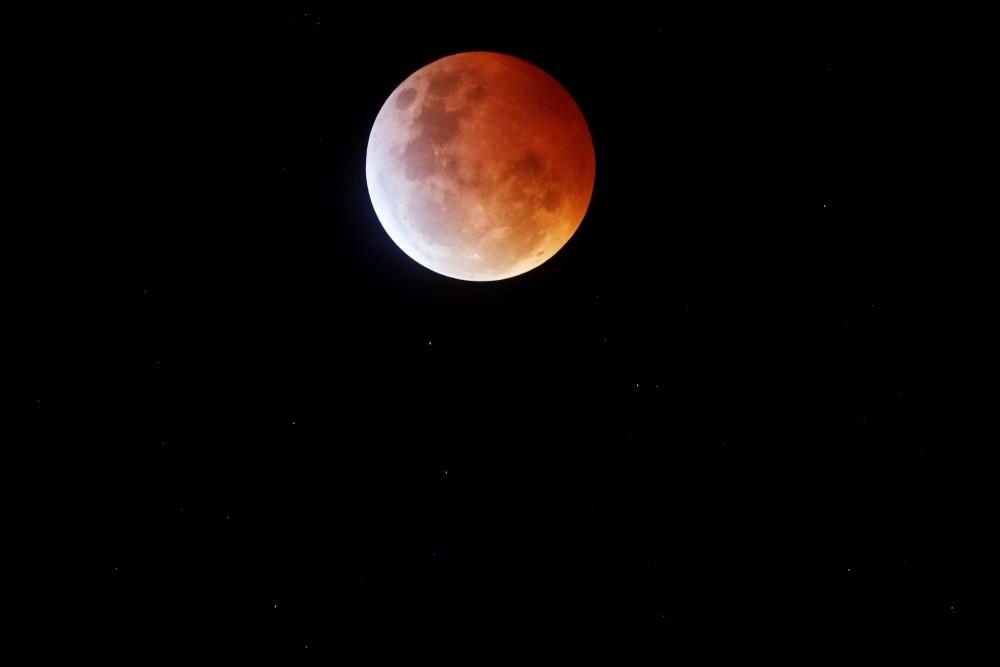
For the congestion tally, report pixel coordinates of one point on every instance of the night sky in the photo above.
(721, 418)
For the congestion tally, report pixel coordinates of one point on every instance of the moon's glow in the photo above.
(480, 166)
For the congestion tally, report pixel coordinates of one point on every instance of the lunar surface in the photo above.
(480, 166)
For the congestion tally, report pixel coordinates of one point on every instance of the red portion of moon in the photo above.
(480, 166)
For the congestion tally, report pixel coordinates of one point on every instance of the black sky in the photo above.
(722, 414)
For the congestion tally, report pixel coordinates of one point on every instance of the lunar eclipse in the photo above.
(480, 166)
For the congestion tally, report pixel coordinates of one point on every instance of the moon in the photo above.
(480, 166)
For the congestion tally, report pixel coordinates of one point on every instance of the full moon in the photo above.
(480, 166)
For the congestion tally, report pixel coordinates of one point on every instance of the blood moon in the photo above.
(480, 166)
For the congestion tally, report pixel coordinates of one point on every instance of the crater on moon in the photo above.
(480, 166)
